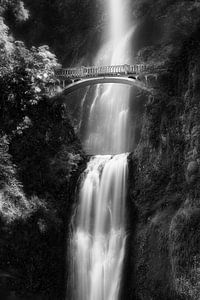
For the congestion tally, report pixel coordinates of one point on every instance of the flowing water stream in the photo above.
(107, 129)
(99, 236)
(99, 240)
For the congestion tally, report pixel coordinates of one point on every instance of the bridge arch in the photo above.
(130, 81)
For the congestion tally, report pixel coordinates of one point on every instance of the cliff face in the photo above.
(164, 185)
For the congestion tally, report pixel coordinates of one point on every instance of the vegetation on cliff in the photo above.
(163, 27)
(164, 181)
(71, 28)
(39, 153)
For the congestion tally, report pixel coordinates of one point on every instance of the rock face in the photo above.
(165, 186)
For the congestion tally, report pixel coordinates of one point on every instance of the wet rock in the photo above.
(192, 171)
(192, 167)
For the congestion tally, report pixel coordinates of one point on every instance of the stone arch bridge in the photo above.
(71, 79)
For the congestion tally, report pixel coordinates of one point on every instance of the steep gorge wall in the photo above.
(164, 185)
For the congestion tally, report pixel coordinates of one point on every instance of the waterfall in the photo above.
(107, 128)
(98, 243)
(99, 235)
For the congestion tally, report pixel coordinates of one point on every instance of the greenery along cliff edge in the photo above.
(39, 153)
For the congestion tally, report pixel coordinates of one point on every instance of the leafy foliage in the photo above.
(23, 81)
(69, 27)
(13, 203)
(39, 152)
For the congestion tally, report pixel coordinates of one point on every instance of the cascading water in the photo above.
(98, 239)
(107, 128)
(98, 243)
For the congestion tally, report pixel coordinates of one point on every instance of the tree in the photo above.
(25, 78)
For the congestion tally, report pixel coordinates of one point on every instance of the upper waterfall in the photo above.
(119, 20)
(107, 129)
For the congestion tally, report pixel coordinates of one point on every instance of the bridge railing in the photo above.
(116, 70)
(94, 71)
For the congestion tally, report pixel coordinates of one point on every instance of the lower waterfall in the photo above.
(98, 240)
